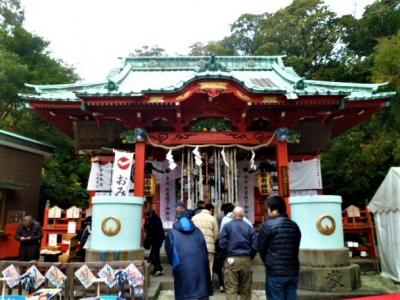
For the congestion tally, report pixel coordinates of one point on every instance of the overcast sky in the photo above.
(92, 34)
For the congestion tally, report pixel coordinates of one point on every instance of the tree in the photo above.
(11, 14)
(244, 31)
(358, 161)
(197, 49)
(306, 31)
(387, 60)
(149, 51)
(380, 19)
(24, 58)
(222, 47)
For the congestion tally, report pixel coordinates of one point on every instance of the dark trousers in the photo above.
(155, 257)
(218, 268)
(281, 287)
(29, 252)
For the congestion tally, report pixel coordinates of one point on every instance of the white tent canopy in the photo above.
(385, 205)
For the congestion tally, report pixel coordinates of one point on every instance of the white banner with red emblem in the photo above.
(121, 173)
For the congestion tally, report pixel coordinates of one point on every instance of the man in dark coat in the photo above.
(187, 253)
(29, 234)
(155, 237)
(238, 242)
(278, 244)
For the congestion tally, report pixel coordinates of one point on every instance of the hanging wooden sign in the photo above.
(265, 183)
(150, 183)
(284, 175)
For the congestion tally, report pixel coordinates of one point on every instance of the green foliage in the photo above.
(24, 57)
(380, 19)
(387, 60)
(306, 31)
(223, 47)
(11, 14)
(149, 51)
(321, 45)
(358, 161)
(244, 30)
(318, 44)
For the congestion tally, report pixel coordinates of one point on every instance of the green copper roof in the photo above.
(23, 143)
(257, 74)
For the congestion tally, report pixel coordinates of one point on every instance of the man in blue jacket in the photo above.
(238, 241)
(187, 253)
(278, 244)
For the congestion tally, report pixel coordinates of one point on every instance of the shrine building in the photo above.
(215, 129)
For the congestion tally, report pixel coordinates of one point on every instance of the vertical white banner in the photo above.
(100, 177)
(121, 173)
(246, 184)
(167, 190)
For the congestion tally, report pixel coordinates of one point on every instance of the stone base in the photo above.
(324, 258)
(95, 255)
(336, 279)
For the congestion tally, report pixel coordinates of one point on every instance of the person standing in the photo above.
(29, 234)
(229, 216)
(238, 241)
(208, 225)
(85, 237)
(182, 211)
(186, 251)
(155, 237)
(278, 244)
(200, 207)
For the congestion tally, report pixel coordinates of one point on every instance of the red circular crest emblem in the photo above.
(123, 163)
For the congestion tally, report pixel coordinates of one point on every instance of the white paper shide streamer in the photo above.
(197, 157)
(252, 162)
(171, 162)
(224, 158)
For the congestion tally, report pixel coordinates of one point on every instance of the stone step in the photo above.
(368, 266)
(302, 295)
(371, 285)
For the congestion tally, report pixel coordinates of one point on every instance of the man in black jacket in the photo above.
(155, 236)
(278, 244)
(29, 234)
(238, 242)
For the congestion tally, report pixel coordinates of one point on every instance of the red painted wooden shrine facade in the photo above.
(208, 100)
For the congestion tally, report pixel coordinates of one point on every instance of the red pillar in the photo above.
(140, 159)
(282, 165)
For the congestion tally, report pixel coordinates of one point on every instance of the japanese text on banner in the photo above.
(121, 173)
